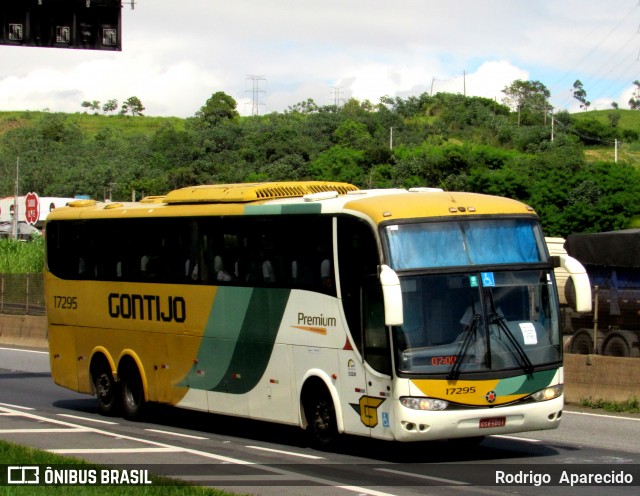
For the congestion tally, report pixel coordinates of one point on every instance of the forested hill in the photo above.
(445, 140)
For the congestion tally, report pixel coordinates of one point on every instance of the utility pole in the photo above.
(15, 200)
(255, 93)
(464, 82)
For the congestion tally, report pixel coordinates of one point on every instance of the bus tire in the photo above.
(132, 391)
(322, 427)
(106, 388)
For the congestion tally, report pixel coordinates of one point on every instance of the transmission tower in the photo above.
(337, 98)
(255, 92)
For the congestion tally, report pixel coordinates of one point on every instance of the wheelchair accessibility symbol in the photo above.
(488, 280)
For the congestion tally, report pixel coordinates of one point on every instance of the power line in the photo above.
(588, 40)
(592, 62)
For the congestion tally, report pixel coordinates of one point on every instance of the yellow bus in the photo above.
(397, 314)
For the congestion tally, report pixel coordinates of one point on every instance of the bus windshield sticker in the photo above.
(488, 281)
(529, 333)
(473, 281)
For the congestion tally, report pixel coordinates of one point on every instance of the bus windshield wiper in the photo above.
(496, 318)
(466, 342)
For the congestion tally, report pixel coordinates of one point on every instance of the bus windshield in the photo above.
(459, 319)
(477, 322)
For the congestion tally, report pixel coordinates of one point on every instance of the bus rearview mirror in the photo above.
(392, 296)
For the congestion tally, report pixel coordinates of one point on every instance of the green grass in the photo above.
(14, 454)
(91, 124)
(629, 119)
(124, 124)
(626, 153)
(629, 406)
(21, 257)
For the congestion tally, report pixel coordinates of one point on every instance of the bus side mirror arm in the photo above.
(392, 296)
(580, 279)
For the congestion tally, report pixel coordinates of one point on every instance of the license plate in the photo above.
(486, 423)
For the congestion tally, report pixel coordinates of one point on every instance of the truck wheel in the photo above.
(622, 344)
(581, 344)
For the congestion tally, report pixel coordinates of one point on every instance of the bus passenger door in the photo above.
(366, 384)
(376, 407)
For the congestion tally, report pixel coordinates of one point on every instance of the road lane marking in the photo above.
(93, 451)
(290, 453)
(241, 478)
(98, 421)
(421, 476)
(601, 415)
(221, 458)
(9, 405)
(516, 438)
(178, 434)
(25, 351)
(43, 431)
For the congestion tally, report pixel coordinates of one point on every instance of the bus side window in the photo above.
(357, 260)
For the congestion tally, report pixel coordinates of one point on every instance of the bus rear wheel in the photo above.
(132, 392)
(322, 427)
(106, 389)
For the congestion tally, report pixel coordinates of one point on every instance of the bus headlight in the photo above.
(548, 393)
(430, 404)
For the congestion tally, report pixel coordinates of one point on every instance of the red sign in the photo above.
(32, 208)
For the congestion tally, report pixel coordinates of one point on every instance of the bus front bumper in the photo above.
(416, 425)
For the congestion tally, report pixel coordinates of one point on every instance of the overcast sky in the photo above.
(177, 53)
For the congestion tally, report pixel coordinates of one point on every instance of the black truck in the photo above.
(612, 261)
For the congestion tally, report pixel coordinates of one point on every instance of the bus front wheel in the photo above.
(132, 391)
(322, 427)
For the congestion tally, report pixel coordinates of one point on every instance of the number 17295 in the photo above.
(65, 302)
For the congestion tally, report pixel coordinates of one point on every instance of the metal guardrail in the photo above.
(22, 294)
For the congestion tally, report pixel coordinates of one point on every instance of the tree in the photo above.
(133, 105)
(219, 107)
(110, 106)
(614, 118)
(634, 102)
(527, 95)
(354, 135)
(580, 94)
(94, 105)
(309, 106)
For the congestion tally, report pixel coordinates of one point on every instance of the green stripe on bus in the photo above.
(525, 384)
(302, 208)
(220, 336)
(298, 208)
(262, 209)
(256, 340)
